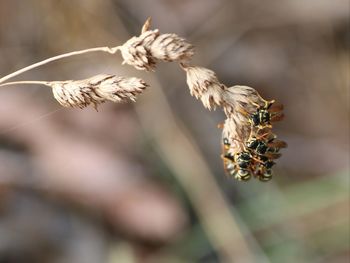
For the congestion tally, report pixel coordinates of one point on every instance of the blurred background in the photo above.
(144, 182)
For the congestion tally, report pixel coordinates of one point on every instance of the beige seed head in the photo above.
(241, 99)
(96, 90)
(232, 131)
(204, 85)
(239, 102)
(143, 51)
(237, 133)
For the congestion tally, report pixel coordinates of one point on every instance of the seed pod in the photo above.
(143, 51)
(96, 90)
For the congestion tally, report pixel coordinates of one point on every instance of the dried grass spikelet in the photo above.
(242, 99)
(238, 103)
(233, 131)
(204, 85)
(96, 90)
(143, 51)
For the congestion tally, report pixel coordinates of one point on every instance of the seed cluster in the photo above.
(204, 85)
(96, 90)
(143, 52)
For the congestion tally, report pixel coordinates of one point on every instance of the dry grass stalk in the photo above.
(109, 50)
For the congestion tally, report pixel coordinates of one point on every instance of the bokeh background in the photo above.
(144, 182)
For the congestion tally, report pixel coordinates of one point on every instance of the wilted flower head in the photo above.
(143, 51)
(96, 90)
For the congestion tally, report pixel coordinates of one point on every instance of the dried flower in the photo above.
(143, 51)
(96, 90)
(204, 85)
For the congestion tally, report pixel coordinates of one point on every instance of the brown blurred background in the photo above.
(144, 182)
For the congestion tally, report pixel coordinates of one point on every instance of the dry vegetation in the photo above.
(143, 182)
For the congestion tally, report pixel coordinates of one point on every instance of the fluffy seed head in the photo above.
(143, 51)
(239, 99)
(96, 90)
(232, 132)
(204, 84)
(239, 103)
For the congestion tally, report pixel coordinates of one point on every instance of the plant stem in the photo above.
(74, 53)
(46, 83)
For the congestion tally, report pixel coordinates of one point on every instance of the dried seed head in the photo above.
(242, 99)
(204, 85)
(240, 103)
(96, 90)
(232, 132)
(143, 51)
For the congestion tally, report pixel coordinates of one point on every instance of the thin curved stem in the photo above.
(74, 53)
(46, 83)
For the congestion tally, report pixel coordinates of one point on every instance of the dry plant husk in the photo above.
(204, 85)
(151, 46)
(96, 90)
